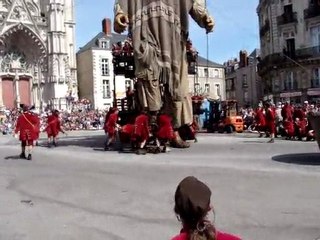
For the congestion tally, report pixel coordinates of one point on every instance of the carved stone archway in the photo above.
(23, 58)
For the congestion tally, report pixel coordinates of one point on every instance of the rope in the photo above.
(207, 35)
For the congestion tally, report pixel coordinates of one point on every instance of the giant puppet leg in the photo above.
(149, 98)
(180, 106)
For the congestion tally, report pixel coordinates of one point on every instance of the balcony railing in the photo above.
(305, 53)
(287, 18)
(265, 28)
(312, 11)
(315, 83)
(279, 59)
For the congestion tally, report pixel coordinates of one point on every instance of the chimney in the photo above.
(106, 26)
(243, 59)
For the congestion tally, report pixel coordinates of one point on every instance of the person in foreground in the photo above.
(27, 127)
(192, 207)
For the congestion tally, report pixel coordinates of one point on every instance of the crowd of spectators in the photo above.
(71, 120)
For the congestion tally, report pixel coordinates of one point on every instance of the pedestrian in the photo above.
(260, 120)
(141, 133)
(160, 31)
(270, 121)
(27, 127)
(111, 126)
(53, 128)
(193, 208)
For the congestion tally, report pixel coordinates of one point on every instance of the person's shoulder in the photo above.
(226, 236)
(181, 236)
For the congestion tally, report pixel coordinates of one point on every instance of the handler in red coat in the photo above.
(165, 132)
(260, 120)
(27, 126)
(270, 121)
(38, 125)
(53, 128)
(110, 127)
(192, 205)
(141, 132)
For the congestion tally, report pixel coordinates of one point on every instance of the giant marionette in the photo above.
(159, 30)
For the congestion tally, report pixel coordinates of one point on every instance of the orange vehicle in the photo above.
(226, 117)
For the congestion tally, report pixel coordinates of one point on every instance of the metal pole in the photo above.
(114, 91)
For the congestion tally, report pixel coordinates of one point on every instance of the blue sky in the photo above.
(236, 26)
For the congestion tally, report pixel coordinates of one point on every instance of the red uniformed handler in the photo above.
(110, 127)
(27, 126)
(270, 121)
(260, 120)
(165, 131)
(141, 133)
(53, 128)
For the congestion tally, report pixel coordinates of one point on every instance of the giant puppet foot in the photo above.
(179, 144)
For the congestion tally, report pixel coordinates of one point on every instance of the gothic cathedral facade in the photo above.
(37, 53)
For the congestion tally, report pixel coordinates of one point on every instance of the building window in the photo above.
(216, 73)
(128, 84)
(316, 78)
(218, 90)
(106, 89)
(290, 50)
(206, 73)
(105, 44)
(246, 96)
(290, 83)
(315, 37)
(197, 88)
(244, 81)
(207, 88)
(105, 67)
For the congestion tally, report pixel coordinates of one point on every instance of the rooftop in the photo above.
(93, 43)
(203, 62)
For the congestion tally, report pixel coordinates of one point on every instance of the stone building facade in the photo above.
(37, 53)
(209, 80)
(96, 78)
(242, 80)
(290, 49)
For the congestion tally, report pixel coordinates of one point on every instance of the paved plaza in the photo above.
(78, 192)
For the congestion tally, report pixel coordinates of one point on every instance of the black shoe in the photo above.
(54, 144)
(29, 157)
(23, 155)
(141, 151)
(271, 141)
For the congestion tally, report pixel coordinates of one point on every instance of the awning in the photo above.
(314, 92)
(290, 94)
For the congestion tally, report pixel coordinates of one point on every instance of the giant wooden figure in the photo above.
(159, 30)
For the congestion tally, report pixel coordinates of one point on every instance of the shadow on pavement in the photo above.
(95, 142)
(312, 159)
(15, 157)
(256, 141)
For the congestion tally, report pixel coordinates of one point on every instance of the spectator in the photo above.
(192, 207)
